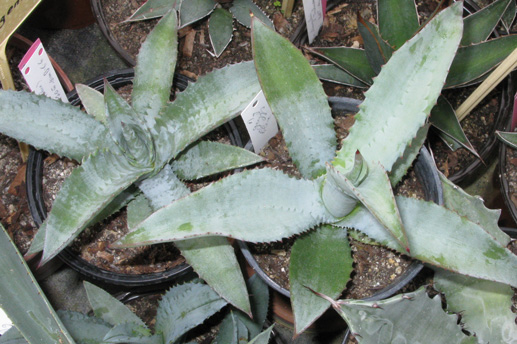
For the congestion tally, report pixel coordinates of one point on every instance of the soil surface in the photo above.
(195, 51)
(510, 173)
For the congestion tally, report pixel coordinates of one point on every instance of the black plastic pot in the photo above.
(103, 25)
(488, 151)
(428, 176)
(505, 184)
(299, 36)
(38, 211)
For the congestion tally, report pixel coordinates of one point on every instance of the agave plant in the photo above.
(397, 22)
(348, 189)
(181, 309)
(416, 318)
(148, 144)
(220, 22)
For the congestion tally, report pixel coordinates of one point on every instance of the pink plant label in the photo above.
(314, 12)
(39, 73)
(259, 121)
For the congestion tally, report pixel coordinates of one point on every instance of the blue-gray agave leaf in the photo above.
(127, 129)
(441, 238)
(287, 207)
(51, 125)
(184, 307)
(406, 318)
(23, 300)
(485, 306)
(89, 188)
(213, 258)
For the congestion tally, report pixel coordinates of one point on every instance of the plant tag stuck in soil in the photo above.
(39, 73)
(5, 322)
(314, 12)
(259, 121)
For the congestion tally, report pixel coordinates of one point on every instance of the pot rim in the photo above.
(103, 24)
(504, 182)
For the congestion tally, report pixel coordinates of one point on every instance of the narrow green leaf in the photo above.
(231, 331)
(84, 193)
(352, 61)
(220, 29)
(377, 50)
(108, 308)
(443, 117)
(406, 318)
(83, 328)
(51, 125)
(473, 208)
(93, 102)
(334, 74)
(23, 300)
(296, 98)
(509, 15)
(241, 11)
(154, 9)
(479, 25)
(473, 61)
(207, 158)
(263, 338)
(259, 299)
(213, 100)
(509, 138)
(485, 306)
(398, 21)
(212, 258)
(320, 260)
(287, 206)
(184, 307)
(439, 236)
(193, 10)
(388, 121)
(155, 66)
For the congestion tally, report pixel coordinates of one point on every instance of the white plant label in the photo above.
(259, 121)
(314, 12)
(5, 322)
(39, 73)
